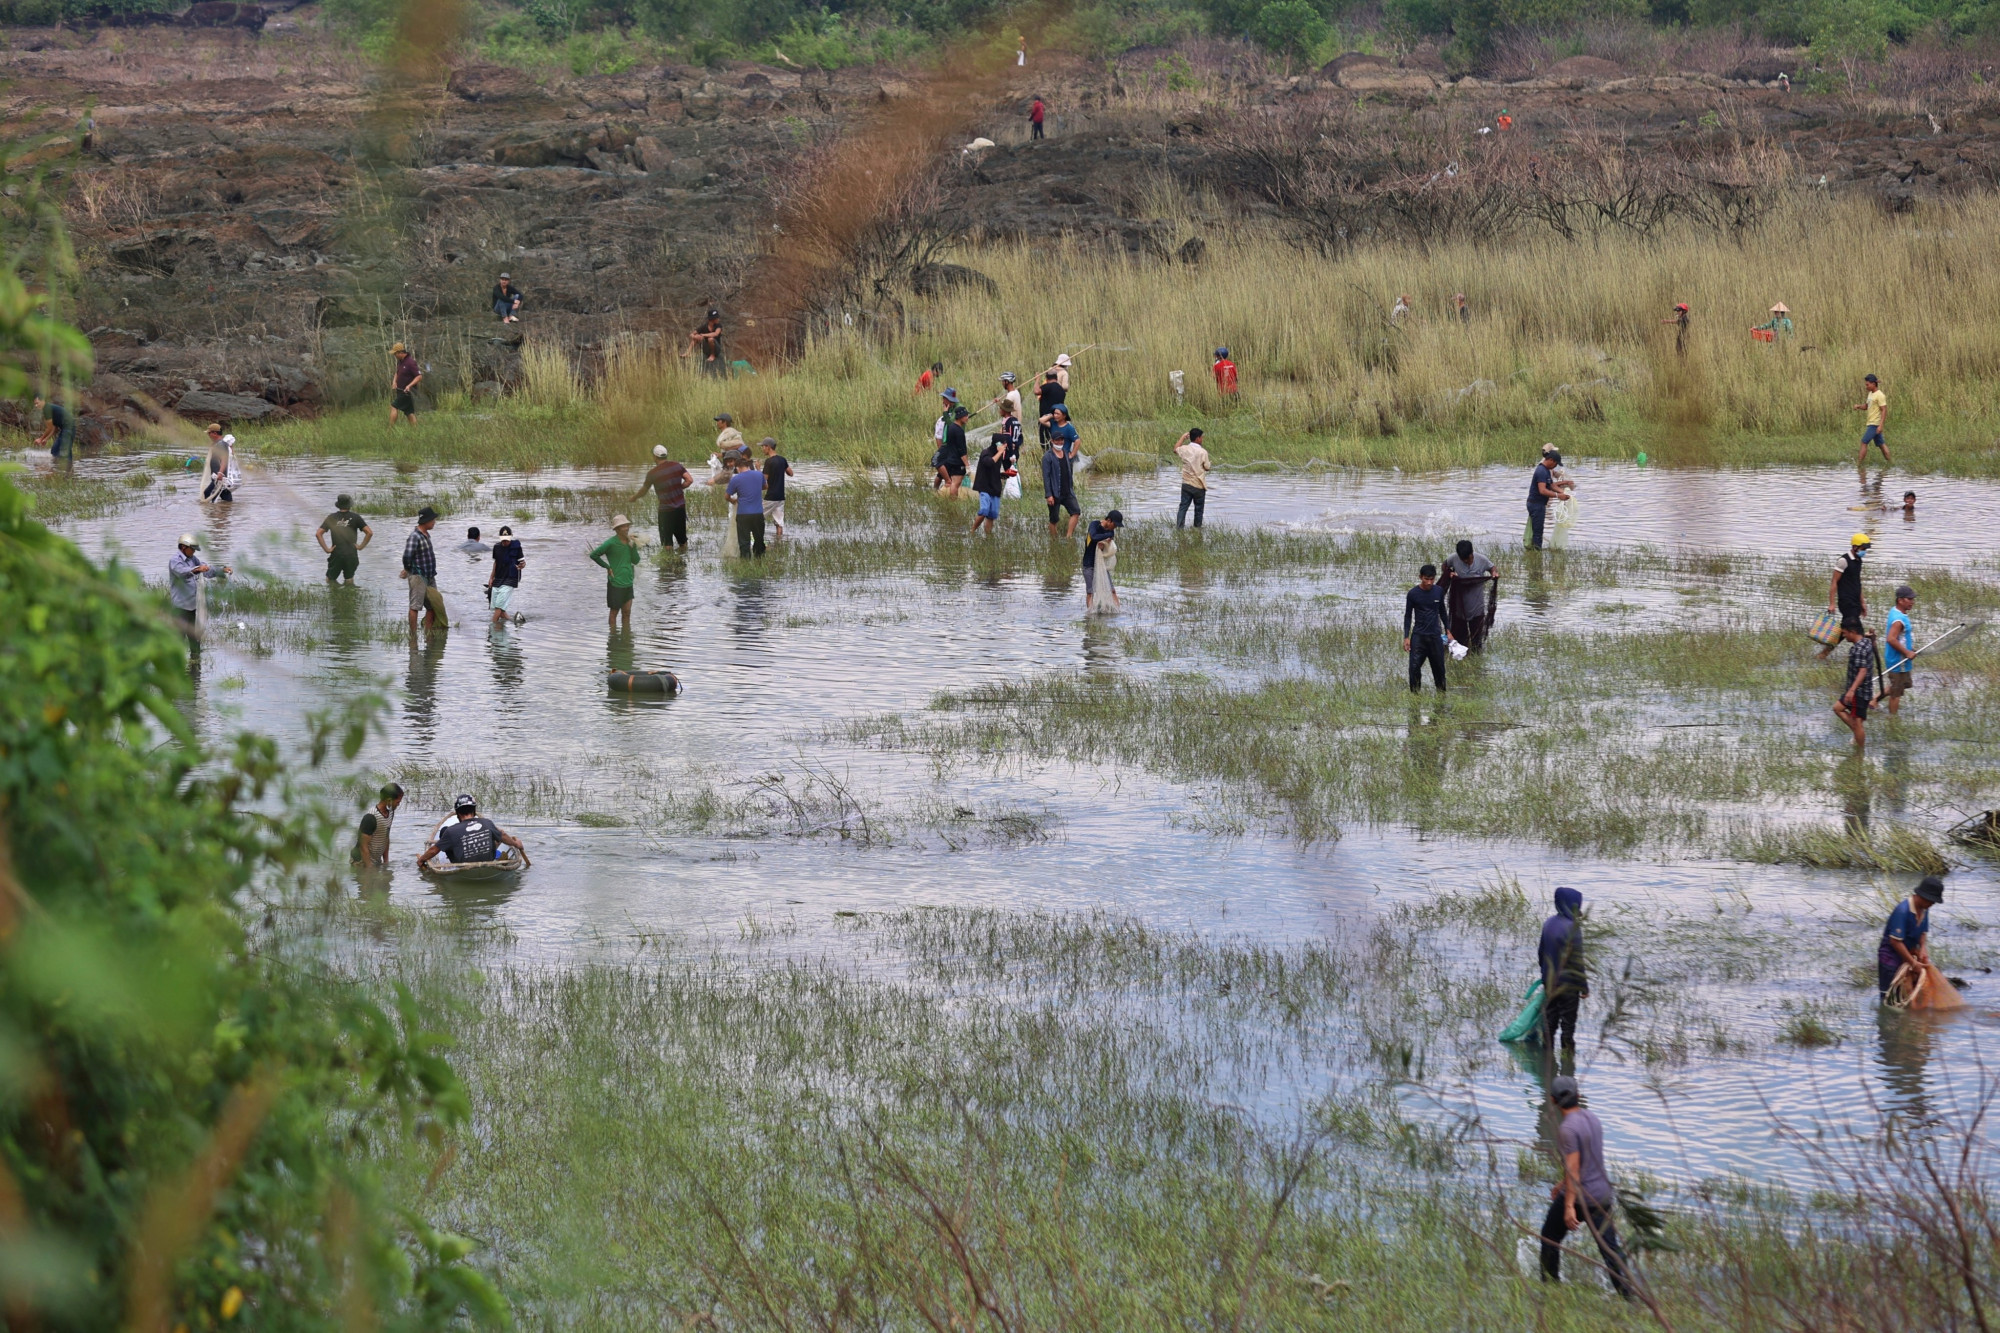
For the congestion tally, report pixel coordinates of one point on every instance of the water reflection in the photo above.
(1905, 1053)
(1853, 784)
(420, 681)
(1101, 657)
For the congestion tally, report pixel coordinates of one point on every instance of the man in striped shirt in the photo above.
(420, 567)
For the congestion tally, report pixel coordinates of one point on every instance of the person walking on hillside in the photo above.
(1680, 323)
(776, 468)
(1464, 311)
(1565, 979)
(1195, 468)
(343, 535)
(506, 299)
(404, 376)
(504, 580)
(1049, 395)
(1906, 937)
(618, 555)
(1059, 470)
(420, 567)
(1852, 705)
(1061, 367)
(1876, 404)
(1585, 1197)
(1036, 115)
(707, 340)
(1425, 632)
(1401, 310)
(1844, 594)
(1779, 325)
(928, 378)
(669, 481)
(58, 427)
(1898, 647)
(1471, 588)
(1225, 373)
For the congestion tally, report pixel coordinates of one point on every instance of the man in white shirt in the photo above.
(1195, 468)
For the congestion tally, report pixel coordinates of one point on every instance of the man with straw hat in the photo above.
(403, 380)
(619, 555)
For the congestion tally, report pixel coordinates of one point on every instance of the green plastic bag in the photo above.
(1530, 1018)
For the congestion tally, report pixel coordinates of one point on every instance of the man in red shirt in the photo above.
(1225, 373)
(928, 378)
(402, 385)
(1035, 114)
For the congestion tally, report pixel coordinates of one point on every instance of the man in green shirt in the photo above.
(619, 554)
(341, 535)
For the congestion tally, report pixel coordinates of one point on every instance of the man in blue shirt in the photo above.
(1542, 488)
(1425, 632)
(747, 489)
(1906, 939)
(1898, 646)
(1059, 470)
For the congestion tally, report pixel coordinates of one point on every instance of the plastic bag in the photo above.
(1012, 490)
(1529, 1019)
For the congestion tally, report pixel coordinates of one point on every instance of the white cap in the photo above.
(659, 451)
(1063, 360)
(229, 440)
(187, 539)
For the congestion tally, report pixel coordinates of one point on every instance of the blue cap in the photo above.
(1222, 351)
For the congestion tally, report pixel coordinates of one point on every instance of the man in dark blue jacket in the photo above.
(1425, 629)
(1564, 980)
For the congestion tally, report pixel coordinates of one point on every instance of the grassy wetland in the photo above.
(1565, 342)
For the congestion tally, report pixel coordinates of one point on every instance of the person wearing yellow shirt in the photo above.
(1876, 404)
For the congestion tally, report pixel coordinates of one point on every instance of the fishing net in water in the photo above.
(1922, 987)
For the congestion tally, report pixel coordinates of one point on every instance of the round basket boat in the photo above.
(468, 872)
(642, 682)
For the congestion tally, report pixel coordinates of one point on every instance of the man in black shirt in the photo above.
(1424, 613)
(473, 838)
(1047, 396)
(1844, 595)
(1542, 488)
(951, 456)
(776, 469)
(58, 428)
(989, 479)
(707, 339)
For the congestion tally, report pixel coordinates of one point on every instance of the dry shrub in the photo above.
(548, 377)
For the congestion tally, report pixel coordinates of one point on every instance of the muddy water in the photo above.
(771, 665)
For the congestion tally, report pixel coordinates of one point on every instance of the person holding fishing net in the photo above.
(1904, 974)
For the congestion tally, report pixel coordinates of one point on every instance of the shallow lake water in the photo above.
(773, 667)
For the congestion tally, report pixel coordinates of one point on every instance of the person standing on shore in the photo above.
(669, 481)
(1876, 404)
(1899, 647)
(618, 555)
(746, 491)
(1425, 633)
(421, 569)
(1471, 586)
(1195, 468)
(505, 578)
(1225, 373)
(404, 377)
(343, 535)
(1059, 470)
(1036, 115)
(1585, 1197)
(1464, 311)
(776, 469)
(1680, 323)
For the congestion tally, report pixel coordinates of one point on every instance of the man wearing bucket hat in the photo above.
(183, 568)
(403, 379)
(1876, 404)
(618, 554)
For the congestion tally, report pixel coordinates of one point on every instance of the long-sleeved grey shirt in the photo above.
(182, 570)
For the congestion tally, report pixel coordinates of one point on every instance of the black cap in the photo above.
(1869, 379)
(1564, 1092)
(1931, 889)
(1115, 518)
(463, 802)
(426, 514)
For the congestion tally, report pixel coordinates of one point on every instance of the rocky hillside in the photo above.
(259, 214)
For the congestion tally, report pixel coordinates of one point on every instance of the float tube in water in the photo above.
(643, 682)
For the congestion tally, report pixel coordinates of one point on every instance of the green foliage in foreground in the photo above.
(186, 1118)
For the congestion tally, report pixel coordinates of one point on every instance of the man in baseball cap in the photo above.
(183, 568)
(1585, 1197)
(473, 837)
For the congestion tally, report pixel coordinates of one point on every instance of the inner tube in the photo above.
(643, 682)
